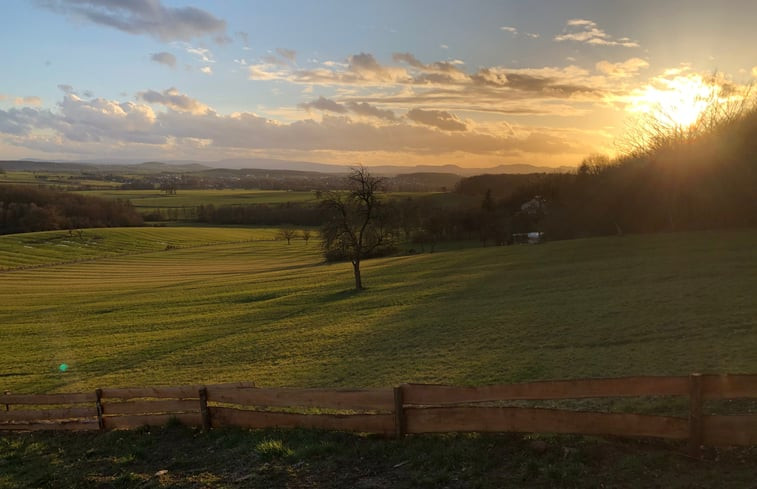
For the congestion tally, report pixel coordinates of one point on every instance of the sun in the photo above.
(675, 102)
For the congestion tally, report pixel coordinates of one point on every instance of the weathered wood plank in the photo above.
(47, 414)
(137, 421)
(729, 386)
(72, 426)
(168, 392)
(40, 399)
(145, 407)
(729, 430)
(421, 394)
(348, 399)
(531, 420)
(362, 423)
(695, 415)
(158, 392)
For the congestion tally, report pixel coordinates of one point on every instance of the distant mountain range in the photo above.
(274, 164)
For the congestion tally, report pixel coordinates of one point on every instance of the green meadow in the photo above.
(225, 305)
(156, 199)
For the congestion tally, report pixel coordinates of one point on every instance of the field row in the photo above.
(50, 247)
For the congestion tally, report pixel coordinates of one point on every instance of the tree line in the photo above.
(699, 177)
(27, 209)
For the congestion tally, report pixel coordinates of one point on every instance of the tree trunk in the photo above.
(358, 280)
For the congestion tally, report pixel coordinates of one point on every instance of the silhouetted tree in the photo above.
(354, 227)
(287, 234)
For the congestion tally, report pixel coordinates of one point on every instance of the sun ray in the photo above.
(675, 102)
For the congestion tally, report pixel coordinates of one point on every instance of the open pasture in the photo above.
(50, 247)
(274, 314)
(148, 200)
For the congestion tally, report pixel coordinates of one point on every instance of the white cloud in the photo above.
(96, 125)
(174, 100)
(29, 100)
(624, 69)
(587, 32)
(207, 70)
(511, 30)
(204, 54)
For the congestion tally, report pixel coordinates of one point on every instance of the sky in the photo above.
(410, 82)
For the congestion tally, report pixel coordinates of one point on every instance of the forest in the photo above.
(25, 208)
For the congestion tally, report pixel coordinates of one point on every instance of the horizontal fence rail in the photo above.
(406, 409)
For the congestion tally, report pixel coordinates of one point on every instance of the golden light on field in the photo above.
(676, 102)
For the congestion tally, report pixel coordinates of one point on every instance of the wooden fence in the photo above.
(407, 409)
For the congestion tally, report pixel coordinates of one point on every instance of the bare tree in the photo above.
(306, 235)
(287, 234)
(354, 227)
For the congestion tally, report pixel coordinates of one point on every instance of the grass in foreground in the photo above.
(272, 313)
(178, 457)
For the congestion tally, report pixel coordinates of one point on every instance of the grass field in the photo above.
(272, 313)
(152, 200)
(50, 247)
(180, 458)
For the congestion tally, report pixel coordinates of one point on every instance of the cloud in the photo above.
(32, 100)
(359, 108)
(754, 72)
(266, 71)
(553, 82)
(439, 80)
(587, 32)
(360, 69)
(174, 100)
(289, 54)
(207, 70)
(437, 118)
(164, 58)
(244, 37)
(366, 109)
(97, 125)
(100, 119)
(625, 69)
(204, 54)
(324, 104)
(148, 17)
(515, 33)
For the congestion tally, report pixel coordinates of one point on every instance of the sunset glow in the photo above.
(402, 83)
(677, 102)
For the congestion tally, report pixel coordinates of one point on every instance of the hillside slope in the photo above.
(272, 313)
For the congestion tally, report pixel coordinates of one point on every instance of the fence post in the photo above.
(204, 411)
(99, 405)
(399, 412)
(7, 406)
(695, 415)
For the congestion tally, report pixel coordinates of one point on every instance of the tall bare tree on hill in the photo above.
(354, 225)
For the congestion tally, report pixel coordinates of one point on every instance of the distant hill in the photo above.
(388, 170)
(271, 164)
